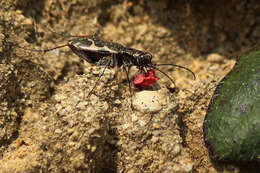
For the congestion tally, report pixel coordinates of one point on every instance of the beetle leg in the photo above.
(127, 70)
(89, 94)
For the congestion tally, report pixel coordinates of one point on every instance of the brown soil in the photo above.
(47, 124)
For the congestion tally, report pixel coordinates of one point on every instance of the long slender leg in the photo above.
(127, 69)
(89, 94)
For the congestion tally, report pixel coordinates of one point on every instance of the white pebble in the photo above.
(148, 101)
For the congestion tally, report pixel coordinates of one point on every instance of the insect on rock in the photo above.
(109, 54)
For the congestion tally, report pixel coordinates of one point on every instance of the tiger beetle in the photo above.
(110, 55)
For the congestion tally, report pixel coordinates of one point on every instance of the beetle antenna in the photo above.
(57, 47)
(179, 66)
(163, 73)
(43, 50)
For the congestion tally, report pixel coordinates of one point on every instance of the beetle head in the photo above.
(144, 59)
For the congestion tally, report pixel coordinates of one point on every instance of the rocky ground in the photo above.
(49, 124)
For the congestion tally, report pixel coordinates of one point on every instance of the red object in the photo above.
(144, 80)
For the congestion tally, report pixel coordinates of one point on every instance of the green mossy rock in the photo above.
(232, 123)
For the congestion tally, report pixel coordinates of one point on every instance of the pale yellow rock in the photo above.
(148, 101)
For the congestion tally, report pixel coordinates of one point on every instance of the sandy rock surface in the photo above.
(48, 123)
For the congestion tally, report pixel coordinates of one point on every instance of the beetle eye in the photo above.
(148, 55)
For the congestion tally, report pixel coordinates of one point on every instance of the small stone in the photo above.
(148, 101)
(186, 165)
(114, 88)
(117, 102)
(82, 105)
(58, 131)
(156, 125)
(58, 106)
(154, 139)
(215, 58)
(177, 149)
(134, 117)
(142, 123)
(28, 22)
(62, 112)
(93, 149)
